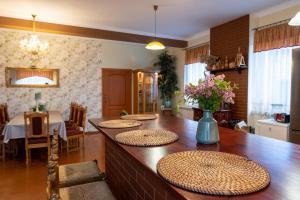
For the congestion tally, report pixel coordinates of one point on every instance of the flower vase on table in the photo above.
(37, 97)
(209, 93)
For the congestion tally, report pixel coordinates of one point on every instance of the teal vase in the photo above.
(168, 104)
(207, 130)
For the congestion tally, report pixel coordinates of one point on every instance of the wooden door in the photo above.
(116, 91)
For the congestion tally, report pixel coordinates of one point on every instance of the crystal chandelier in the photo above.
(33, 43)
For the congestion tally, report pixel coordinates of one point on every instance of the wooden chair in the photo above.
(11, 147)
(37, 133)
(74, 135)
(2, 125)
(72, 118)
(5, 114)
(78, 181)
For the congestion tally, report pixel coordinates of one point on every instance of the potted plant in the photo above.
(167, 79)
(209, 94)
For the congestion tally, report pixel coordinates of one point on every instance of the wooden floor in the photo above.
(29, 183)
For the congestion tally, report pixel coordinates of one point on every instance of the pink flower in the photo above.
(213, 89)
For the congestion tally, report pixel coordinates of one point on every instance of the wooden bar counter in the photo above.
(131, 171)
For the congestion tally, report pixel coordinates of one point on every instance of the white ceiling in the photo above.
(179, 19)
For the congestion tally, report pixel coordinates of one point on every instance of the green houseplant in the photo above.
(167, 79)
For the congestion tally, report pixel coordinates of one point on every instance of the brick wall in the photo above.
(130, 180)
(224, 41)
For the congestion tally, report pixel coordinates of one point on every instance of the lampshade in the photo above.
(155, 45)
(295, 21)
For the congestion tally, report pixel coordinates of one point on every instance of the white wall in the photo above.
(80, 61)
(117, 54)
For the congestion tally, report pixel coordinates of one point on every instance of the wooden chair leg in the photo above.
(83, 141)
(3, 152)
(27, 156)
(49, 150)
(79, 143)
(68, 146)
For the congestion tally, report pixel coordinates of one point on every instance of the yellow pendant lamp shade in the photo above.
(155, 45)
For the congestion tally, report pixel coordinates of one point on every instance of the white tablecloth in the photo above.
(16, 127)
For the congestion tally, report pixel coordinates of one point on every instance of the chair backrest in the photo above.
(72, 111)
(36, 124)
(2, 115)
(75, 115)
(52, 178)
(81, 116)
(6, 116)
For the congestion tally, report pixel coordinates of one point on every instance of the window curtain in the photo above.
(21, 74)
(276, 37)
(269, 83)
(197, 54)
(194, 72)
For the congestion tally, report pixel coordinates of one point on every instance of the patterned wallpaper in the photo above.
(79, 61)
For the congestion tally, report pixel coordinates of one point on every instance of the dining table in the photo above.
(15, 128)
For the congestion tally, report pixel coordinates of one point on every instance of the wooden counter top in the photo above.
(282, 159)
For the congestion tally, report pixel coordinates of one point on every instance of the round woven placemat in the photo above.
(214, 173)
(119, 123)
(147, 137)
(139, 117)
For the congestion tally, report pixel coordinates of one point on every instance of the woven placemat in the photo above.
(214, 173)
(119, 123)
(147, 137)
(139, 117)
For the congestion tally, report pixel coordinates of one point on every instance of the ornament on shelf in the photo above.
(232, 65)
(226, 64)
(240, 60)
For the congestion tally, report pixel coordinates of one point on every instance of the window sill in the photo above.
(185, 107)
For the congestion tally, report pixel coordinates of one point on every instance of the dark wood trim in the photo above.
(21, 24)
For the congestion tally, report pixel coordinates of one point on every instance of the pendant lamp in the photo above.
(155, 45)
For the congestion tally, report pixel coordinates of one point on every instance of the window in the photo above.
(270, 83)
(194, 72)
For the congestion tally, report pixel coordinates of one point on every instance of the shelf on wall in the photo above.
(238, 69)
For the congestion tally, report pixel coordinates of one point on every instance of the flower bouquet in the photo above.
(209, 94)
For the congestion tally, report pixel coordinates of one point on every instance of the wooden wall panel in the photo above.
(20, 24)
(225, 40)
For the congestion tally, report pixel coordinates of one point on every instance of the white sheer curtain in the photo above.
(269, 83)
(194, 72)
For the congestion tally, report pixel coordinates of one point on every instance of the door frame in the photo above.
(131, 86)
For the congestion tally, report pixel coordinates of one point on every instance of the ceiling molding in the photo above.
(21, 24)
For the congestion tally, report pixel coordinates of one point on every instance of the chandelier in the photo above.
(155, 45)
(33, 43)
